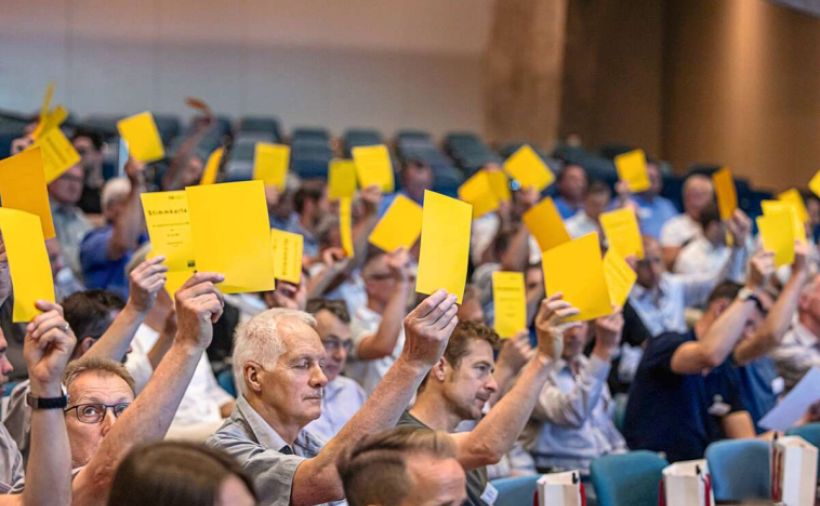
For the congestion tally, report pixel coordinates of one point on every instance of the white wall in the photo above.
(337, 63)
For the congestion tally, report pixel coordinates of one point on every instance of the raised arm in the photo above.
(47, 348)
(427, 329)
(129, 224)
(495, 433)
(382, 343)
(770, 334)
(711, 349)
(199, 304)
(145, 281)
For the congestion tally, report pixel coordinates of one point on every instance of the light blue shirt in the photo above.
(662, 309)
(652, 214)
(571, 422)
(342, 398)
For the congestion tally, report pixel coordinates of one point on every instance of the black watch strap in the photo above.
(46, 402)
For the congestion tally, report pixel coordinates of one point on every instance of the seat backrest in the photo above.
(628, 479)
(515, 491)
(740, 469)
(811, 433)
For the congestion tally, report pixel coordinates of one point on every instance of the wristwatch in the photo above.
(46, 402)
(747, 293)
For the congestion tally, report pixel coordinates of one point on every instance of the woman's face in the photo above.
(234, 492)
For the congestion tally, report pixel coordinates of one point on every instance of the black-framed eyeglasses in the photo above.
(334, 344)
(95, 413)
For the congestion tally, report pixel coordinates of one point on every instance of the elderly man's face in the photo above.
(469, 385)
(435, 482)
(335, 336)
(293, 387)
(93, 387)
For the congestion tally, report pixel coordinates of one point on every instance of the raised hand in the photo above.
(801, 257)
(398, 261)
(135, 170)
(48, 345)
(608, 331)
(515, 352)
(740, 226)
(550, 324)
(428, 327)
(145, 282)
(761, 267)
(198, 306)
(371, 197)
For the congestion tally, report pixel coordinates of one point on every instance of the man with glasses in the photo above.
(378, 337)
(70, 222)
(342, 396)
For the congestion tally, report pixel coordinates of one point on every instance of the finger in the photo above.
(40, 318)
(428, 304)
(44, 306)
(201, 277)
(199, 289)
(56, 321)
(439, 311)
(151, 270)
(448, 315)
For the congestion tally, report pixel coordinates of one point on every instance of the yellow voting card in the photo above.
(212, 167)
(772, 207)
(231, 234)
(58, 153)
(576, 270)
(141, 133)
(777, 236)
(399, 227)
(632, 170)
(169, 227)
(287, 255)
(44, 108)
(814, 184)
(478, 191)
(270, 163)
(341, 179)
(174, 281)
(373, 167)
(30, 269)
(529, 169)
(545, 224)
(346, 226)
(52, 120)
(23, 186)
(796, 199)
(445, 245)
(622, 232)
(726, 192)
(500, 184)
(619, 277)
(510, 303)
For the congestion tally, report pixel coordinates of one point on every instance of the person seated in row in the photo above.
(461, 382)
(678, 231)
(800, 349)
(278, 364)
(709, 251)
(403, 467)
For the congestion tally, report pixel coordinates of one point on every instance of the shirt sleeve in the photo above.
(573, 408)
(670, 235)
(94, 248)
(658, 354)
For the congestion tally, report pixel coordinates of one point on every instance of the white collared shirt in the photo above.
(797, 354)
(368, 373)
(679, 230)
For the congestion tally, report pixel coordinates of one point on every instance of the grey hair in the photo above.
(115, 189)
(260, 340)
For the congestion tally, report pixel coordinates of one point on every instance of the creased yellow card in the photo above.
(478, 191)
(346, 226)
(52, 120)
(211, 169)
(287, 255)
(814, 184)
(445, 244)
(622, 232)
(30, 269)
(772, 207)
(726, 193)
(141, 133)
(576, 269)
(270, 163)
(373, 167)
(796, 199)
(632, 170)
(231, 234)
(529, 169)
(777, 235)
(44, 108)
(169, 227)
(341, 179)
(58, 153)
(500, 184)
(545, 224)
(619, 277)
(510, 303)
(23, 186)
(399, 227)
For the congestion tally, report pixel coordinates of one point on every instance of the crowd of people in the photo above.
(349, 386)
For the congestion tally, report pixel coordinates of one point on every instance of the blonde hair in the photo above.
(99, 365)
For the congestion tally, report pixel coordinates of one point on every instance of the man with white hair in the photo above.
(800, 349)
(278, 360)
(676, 233)
(105, 251)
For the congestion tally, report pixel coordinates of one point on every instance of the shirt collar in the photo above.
(803, 334)
(263, 432)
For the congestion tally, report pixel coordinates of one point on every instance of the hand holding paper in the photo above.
(631, 168)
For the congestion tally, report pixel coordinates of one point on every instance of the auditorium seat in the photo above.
(353, 137)
(265, 124)
(628, 479)
(469, 151)
(168, 126)
(740, 469)
(516, 491)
